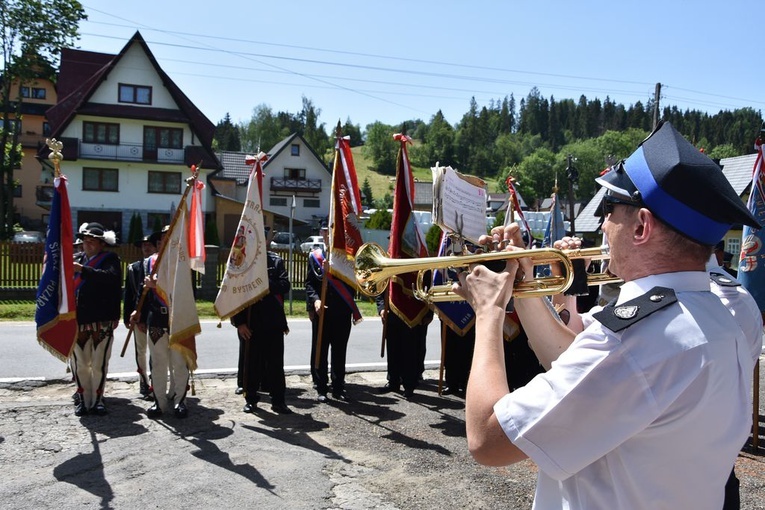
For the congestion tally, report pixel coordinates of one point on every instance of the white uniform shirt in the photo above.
(650, 417)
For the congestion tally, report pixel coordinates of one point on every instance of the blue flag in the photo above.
(458, 315)
(555, 229)
(55, 312)
(751, 266)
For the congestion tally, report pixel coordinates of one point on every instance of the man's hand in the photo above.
(485, 289)
(244, 331)
(317, 307)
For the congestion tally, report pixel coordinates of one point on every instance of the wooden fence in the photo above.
(21, 267)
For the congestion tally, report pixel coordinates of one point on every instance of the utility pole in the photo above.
(573, 176)
(656, 97)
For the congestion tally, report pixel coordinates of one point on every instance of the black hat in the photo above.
(153, 238)
(97, 230)
(680, 185)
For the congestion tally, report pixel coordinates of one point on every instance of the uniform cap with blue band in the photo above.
(680, 185)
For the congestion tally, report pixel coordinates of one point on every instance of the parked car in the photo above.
(29, 236)
(313, 242)
(281, 241)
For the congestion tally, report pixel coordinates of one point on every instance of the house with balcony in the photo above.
(293, 172)
(31, 99)
(130, 136)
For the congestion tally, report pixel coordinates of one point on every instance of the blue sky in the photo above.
(392, 61)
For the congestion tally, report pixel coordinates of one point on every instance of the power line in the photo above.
(327, 81)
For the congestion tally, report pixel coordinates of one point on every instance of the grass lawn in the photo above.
(25, 310)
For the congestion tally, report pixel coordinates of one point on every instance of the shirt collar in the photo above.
(681, 281)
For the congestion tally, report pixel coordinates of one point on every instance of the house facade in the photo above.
(293, 171)
(36, 96)
(130, 136)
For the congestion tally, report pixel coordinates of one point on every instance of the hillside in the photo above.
(382, 184)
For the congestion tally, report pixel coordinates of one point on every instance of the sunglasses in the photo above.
(609, 201)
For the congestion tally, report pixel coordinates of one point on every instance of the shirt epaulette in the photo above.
(724, 280)
(617, 318)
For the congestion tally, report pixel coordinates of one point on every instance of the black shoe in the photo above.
(340, 395)
(249, 407)
(409, 393)
(79, 409)
(154, 411)
(239, 390)
(76, 397)
(322, 397)
(390, 388)
(447, 391)
(181, 411)
(100, 408)
(460, 394)
(281, 408)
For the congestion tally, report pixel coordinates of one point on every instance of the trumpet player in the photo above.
(645, 398)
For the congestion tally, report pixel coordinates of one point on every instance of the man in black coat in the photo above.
(98, 292)
(133, 289)
(261, 328)
(336, 328)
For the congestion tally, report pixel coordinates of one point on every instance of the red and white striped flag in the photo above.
(197, 228)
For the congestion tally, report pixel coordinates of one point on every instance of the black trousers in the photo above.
(458, 356)
(263, 364)
(406, 352)
(337, 330)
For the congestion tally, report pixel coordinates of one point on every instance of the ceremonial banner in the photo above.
(196, 228)
(457, 315)
(751, 266)
(344, 231)
(246, 278)
(406, 240)
(344, 210)
(55, 310)
(514, 205)
(555, 229)
(174, 286)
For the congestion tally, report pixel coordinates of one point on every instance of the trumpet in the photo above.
(374, 269)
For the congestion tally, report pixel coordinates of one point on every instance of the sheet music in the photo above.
(459, 198)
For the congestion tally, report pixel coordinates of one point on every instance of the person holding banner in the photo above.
(644, 398)
(98, 291)
(133, 289)
(338, 316)
(261, 327)
(165, 361)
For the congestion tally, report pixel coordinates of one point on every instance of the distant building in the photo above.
(293, 169)
(29, 197)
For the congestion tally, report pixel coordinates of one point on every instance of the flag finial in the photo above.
(55, 155)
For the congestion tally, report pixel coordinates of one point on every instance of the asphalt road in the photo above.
(217, 350)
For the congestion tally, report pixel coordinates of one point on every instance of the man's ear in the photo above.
(644, 227)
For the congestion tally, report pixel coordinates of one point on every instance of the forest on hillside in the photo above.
(538, 141)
